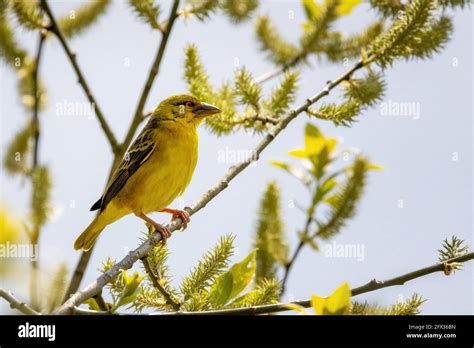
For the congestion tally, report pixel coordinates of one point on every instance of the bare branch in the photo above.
(128, 261)
(54, 28)
(16, 304)
(34, 236)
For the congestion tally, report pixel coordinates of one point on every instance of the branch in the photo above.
(100, 302)
(34, 236)
(134, 255)
(139, 117)
(37, 95)
(54, 28)
(290, 263)
(264, 120)
(156, 283)
(370, 286)
(16, 304)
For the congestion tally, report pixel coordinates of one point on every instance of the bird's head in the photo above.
(185, 109)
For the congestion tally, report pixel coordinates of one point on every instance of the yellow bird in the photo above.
(156, 169)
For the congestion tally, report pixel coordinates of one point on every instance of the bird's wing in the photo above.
(138, 153)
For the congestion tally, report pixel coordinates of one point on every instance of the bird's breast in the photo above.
(166, 174)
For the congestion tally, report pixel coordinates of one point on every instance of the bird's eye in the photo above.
(189, 104)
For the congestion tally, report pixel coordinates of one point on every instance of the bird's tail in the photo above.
(90, 234)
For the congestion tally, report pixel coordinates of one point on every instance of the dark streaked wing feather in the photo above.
(138, 153)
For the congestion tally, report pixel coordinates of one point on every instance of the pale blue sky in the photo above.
(416, 152)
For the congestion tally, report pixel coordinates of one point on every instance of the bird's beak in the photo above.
(204, 110)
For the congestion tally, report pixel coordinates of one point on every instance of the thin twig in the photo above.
(301, 244)
(263, 119)
(290, 264)
(138, 117)
(279, 70)
(37, 98)
(54, 28)
(141, 251)
(156, 283)
(370, 286)
(16, 304)
(34, 236)
(100, 302)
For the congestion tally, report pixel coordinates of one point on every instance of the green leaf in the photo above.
(338, 303)
(345, 7)
(298, 153)
(221, 290)
(326, 187)
(311, 137)
(373, 166)
(234, 281)
(92, 303)
(129, 292)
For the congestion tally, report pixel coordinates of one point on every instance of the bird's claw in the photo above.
(163, 231)
(183, 215)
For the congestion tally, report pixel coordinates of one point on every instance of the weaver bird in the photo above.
(156, 169)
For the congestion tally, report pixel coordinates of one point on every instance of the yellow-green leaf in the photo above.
(296, 307)
(345, 7)
(220, 292)
(335, 304)
(130, 289)
(234, 281)
(330, 144)
(243, 273)
(298, 153)
(312, 135)
(92, 303)
(373, 166)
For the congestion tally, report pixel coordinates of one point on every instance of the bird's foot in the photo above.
(181, 214)
(163, 231)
